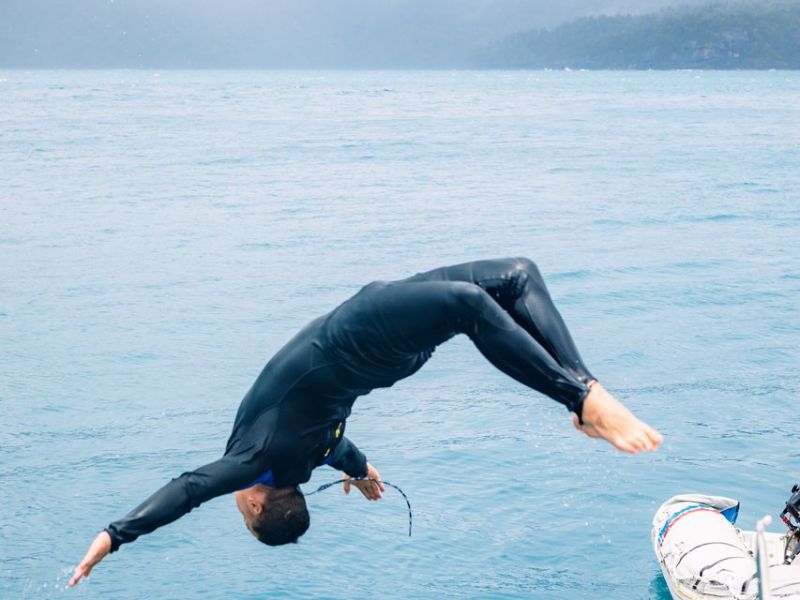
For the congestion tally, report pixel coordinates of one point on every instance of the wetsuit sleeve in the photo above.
(348, 458)
(180, 496)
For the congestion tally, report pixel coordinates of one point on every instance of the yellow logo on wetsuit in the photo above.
(337, 434)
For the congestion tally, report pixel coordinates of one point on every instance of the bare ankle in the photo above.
(590, 409)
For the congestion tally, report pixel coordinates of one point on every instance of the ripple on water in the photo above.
(146, 280)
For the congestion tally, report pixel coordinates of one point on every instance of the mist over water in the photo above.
(163, 233)
(297, 34)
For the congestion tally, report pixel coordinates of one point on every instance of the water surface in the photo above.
(163, 233)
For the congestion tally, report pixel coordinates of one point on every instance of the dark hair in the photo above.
(283, 520)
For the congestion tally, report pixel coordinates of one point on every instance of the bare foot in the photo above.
(606, 417)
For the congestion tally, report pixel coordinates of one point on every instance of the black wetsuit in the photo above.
(292, 419)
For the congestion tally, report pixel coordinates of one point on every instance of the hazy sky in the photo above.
(275, 33)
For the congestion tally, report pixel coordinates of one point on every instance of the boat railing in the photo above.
(762, 559)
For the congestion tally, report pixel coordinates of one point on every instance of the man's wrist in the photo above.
(115, 542)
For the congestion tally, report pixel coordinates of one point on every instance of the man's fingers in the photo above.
(370, 489)
(360, 486)
(374, 474)
(97, 551)
(80, 572)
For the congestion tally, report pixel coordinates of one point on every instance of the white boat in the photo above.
(703, 556)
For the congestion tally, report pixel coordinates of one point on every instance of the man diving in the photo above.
(292, 420)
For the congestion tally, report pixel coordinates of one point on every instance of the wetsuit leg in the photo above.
(513, 350)
(425, 313)
(517, 285)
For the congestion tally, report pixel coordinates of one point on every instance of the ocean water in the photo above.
(162, 234)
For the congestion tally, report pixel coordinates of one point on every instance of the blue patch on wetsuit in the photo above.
(267, 479)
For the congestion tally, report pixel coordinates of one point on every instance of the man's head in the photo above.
(274, 516)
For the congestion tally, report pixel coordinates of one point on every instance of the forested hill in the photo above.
(754, 36)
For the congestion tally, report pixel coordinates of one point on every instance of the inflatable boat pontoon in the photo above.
(703, 556)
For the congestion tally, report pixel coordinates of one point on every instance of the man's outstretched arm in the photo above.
(169, 503)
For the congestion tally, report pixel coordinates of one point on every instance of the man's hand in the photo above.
(371, 489)
(97, 552)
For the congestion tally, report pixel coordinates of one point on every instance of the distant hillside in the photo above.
(755, 36)
(276, 33)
